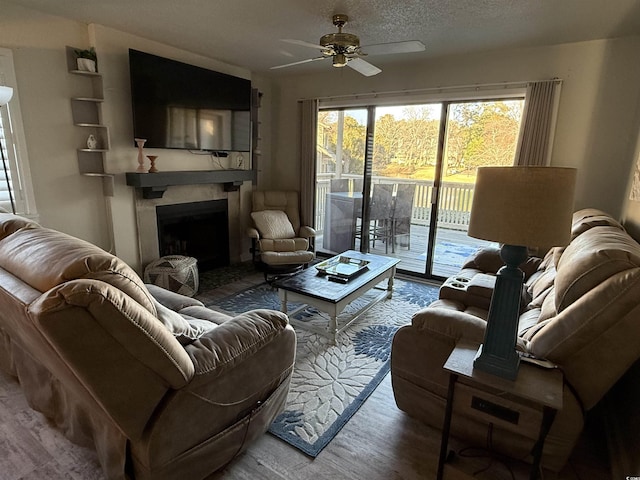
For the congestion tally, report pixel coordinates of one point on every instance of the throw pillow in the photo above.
(183, 330)
(273, 224)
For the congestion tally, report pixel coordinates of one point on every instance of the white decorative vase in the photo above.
(92, 142)
(140, 142)
(86, 65)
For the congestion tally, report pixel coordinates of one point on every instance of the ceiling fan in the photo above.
(344, 49)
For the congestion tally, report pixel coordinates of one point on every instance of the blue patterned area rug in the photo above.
(330, 382)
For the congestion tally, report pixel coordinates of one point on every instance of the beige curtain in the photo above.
(538, 123)
(308, 138)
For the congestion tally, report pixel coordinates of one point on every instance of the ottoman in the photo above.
(174, 272)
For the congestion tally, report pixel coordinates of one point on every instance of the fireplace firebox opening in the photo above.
(197, 229)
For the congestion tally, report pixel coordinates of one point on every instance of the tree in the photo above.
(483, 133)
(478, 133)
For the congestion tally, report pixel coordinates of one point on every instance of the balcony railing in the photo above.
(453, 212)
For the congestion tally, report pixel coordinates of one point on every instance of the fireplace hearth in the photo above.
(196, 229)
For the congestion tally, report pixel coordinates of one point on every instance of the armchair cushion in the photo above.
(297, 257)
(284, 245)
(273, 224)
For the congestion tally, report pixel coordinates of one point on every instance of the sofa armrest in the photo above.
(253, 233)
(307, 232)
(486, 260)
(449, 323)
(172, 300)
(455, 325)
(222, 348)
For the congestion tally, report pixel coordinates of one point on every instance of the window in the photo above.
(16, 194)
(407, 170)
(6, 190)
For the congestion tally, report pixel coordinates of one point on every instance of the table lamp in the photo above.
(5, 94)
(518, 207)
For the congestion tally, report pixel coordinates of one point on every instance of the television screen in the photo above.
(176, 105)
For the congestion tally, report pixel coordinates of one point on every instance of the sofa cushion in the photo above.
(541, 283)
(588, 218)
(273, 224)
(592, 258)
(45, 258)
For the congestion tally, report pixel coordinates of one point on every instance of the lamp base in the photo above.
(497, 365)
(497, 355)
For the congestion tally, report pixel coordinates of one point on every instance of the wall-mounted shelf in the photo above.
(153, 185)
(80, 72)
(88, 99)
(86, 111)
(256, 138)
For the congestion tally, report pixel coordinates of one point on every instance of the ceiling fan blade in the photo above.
(394, 47)
(299, 63)
(303, 43)
(365, 68)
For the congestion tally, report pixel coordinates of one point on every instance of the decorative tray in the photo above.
(342, 267)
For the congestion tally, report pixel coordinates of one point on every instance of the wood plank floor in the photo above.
(379, 443)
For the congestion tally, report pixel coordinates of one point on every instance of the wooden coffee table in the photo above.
(310, 287)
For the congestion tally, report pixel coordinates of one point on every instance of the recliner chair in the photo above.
(279, 244)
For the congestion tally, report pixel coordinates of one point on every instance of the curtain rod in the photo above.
(476, 87)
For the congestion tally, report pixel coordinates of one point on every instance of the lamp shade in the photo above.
(524, 206)
(5, 95)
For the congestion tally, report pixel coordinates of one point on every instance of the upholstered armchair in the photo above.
(279, 244)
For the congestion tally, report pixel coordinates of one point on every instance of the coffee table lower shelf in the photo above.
(332, 331)
(307, 286)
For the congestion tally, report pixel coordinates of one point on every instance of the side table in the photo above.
(534, 387)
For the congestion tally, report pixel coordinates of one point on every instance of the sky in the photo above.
(397, 111)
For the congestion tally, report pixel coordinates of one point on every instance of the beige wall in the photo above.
(113, 49)
(597, 123)
(66, 200)
(597, 130)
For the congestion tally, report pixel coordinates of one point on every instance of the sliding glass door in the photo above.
(340, 160)
(477, 133)
(398, 180)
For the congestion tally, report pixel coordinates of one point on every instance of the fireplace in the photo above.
(197, 229)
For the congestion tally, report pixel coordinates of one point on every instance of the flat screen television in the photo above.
(177, 105)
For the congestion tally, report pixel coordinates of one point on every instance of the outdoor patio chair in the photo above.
(380, 212)
(402, 211)
(339, 184)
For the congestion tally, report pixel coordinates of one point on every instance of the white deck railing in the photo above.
(455, 201)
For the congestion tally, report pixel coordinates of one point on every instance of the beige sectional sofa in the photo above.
(159, 385)
(580, 310)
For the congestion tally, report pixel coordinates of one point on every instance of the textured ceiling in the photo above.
(248, 33)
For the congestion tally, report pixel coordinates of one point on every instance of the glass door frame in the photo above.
(435, 195)
(427, 273)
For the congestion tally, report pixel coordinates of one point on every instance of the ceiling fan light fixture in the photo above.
(339, 60)
(345, 51)
(345, 41)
